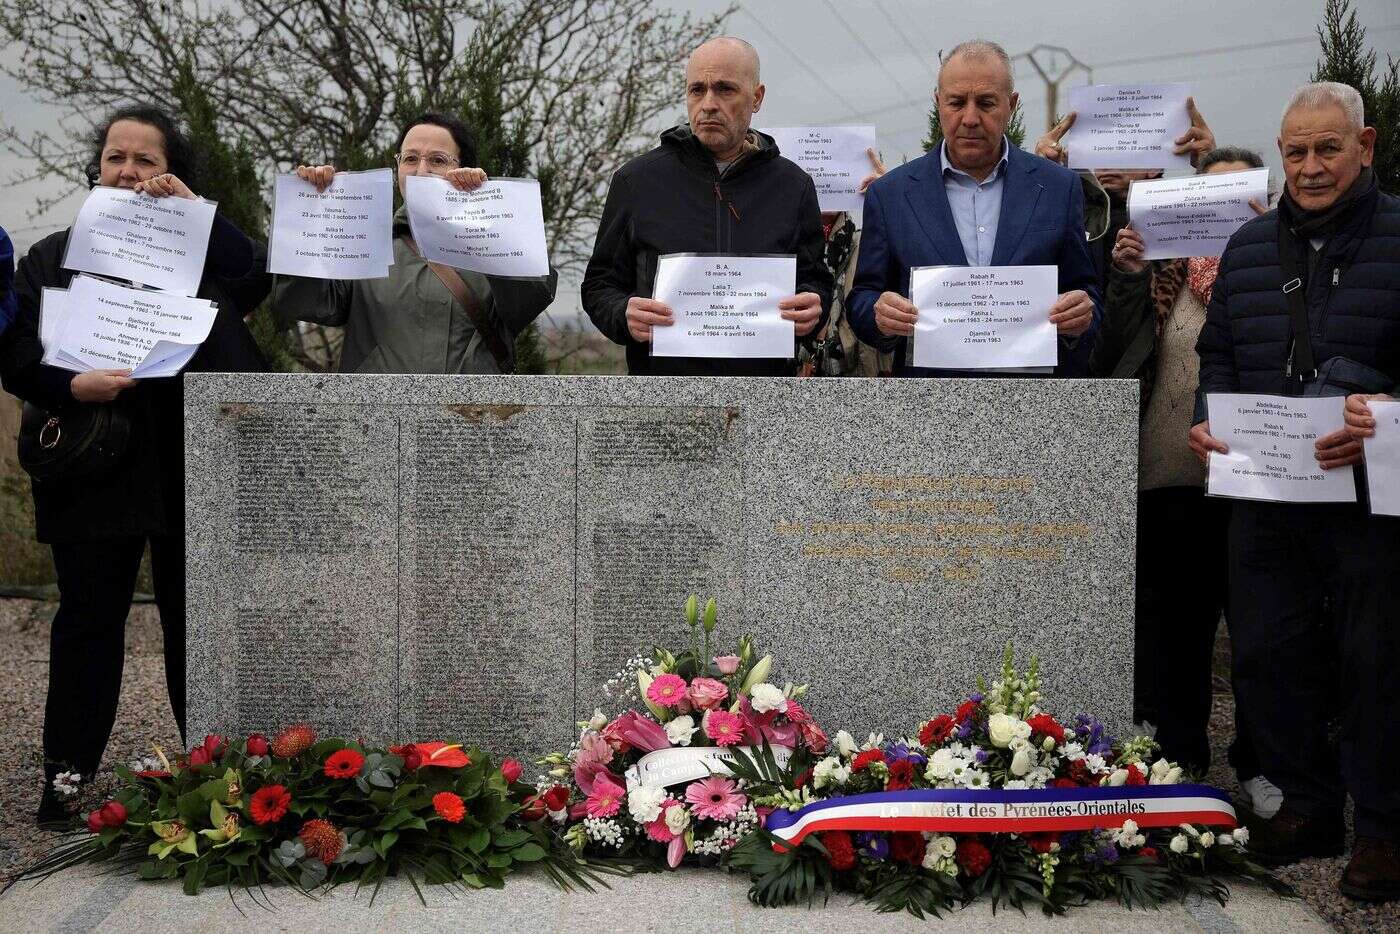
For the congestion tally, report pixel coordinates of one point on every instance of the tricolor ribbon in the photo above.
(665, 767)
(1016, 811)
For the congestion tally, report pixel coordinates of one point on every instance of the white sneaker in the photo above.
(1264, 796)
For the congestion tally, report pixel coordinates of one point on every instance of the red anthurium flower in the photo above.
(441, 754)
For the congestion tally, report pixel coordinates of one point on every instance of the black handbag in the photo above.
(77, 442)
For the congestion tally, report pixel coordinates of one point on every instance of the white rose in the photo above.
(1180, 844)
(845, 743)
(944, 845)
(1003, 728)
(1225, 839)
(1118, 778)
(1173, 777)
(766, 697)
(1021, 762)
(1207, 839)
(644, 803)
(680, 730)
(677, 819)
(1130, 827)
(1241, 836)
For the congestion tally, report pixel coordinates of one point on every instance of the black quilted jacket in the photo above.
(1353, 302)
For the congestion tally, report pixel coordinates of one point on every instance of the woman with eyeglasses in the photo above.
(423, 317)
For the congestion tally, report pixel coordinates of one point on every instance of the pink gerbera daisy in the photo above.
(715, 797)
(666, 690)
(606, 798)
(725, 728)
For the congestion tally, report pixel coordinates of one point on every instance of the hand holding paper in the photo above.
(836, 157)
(1272, 444)
(160, 242)
(1194, 216)
(342, 229)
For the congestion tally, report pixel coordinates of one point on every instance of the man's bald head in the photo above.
(722, 93)
(731, 50)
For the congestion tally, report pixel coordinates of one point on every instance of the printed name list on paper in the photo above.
(1196, 215)
(835, 158)
(725, 306)
(1272, 449)
(1127, 126)
(496, 230)
(159, 242)
(344, 232)
(984, 317)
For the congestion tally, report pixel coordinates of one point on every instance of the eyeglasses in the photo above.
(436, 160)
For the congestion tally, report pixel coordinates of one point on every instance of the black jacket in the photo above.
(1353, 303)
(673, 200)
(145, 494)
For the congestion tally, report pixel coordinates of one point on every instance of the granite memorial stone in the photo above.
(421, 557)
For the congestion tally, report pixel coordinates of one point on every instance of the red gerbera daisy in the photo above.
(269, 804)
(344, 763)
(449, 807)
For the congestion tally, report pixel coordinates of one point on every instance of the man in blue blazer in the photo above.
(975, 201)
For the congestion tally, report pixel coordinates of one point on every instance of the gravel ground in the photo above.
(144, 717)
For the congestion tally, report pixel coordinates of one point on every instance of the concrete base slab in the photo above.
(688, 900)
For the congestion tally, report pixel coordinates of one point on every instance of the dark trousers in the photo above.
(96, 581)
(1182, 572)
(1309, 583)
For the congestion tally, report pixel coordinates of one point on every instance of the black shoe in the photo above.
(1289, 836)
(52, 813)
(1373, 872)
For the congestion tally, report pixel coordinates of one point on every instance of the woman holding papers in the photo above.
(98, 524)
(423, 317)
(1153, 313)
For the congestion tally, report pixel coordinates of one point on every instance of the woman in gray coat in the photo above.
(411, 321)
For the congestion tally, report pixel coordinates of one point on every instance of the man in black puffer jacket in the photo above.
(1307, 578)
(715, 186)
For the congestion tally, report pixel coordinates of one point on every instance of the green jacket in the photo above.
(409, 322)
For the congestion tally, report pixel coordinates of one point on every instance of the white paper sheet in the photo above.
(1127, 126)
(1272, 449)
(835, 158)
(1195, 215)
(497, 230)
(725, 306)
(344, 232)
(109, 326)
(1383, 460)
(984, 317)
(160, 242)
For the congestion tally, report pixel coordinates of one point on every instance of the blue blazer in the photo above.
(908, 223)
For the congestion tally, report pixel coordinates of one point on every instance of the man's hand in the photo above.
(466, 179)
(100, 385)
(164, 186)
(1198, 140)
(1049, 144)
(1339, 449)
(895, 315)
(878, 169)
(803, 310)
(645, 313)
(1360, 420)
(1128, 251)
(1203, 442)
(319, 175)
(1072, 313)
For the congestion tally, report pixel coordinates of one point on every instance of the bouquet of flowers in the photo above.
(654, 783)
(304, 812)
(997, 799)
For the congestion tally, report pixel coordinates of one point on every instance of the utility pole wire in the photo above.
(870, 53)
(799, 59)
(904, 35)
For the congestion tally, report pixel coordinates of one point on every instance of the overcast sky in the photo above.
(873, 61)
